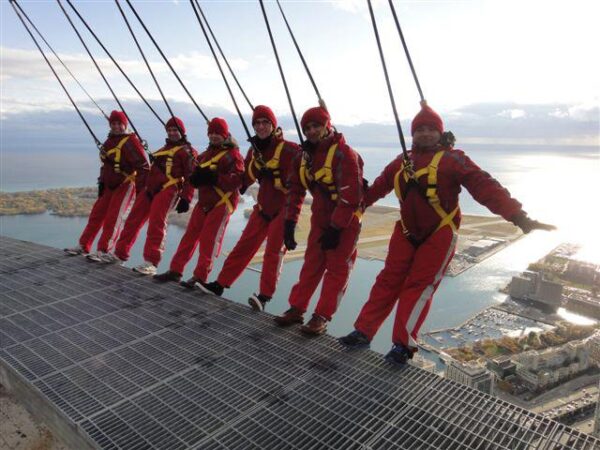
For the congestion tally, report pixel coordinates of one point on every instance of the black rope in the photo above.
(321, 101)
(15, 5)
(98, 67)
(112, 59)
(62, 62)
(148, 65)
(389, 86)
(222, 73)
(410, 63)
(223, 56)
(287, 91)
(166, 60)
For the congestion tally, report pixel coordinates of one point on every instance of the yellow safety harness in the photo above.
(431, 192)
(170, 154)
(212, 165)
(272, 165)
(130, 178)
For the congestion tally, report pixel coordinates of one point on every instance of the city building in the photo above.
(472, 373)
(597, 415)
(582, 272)
(594, 346)
(502, 366)
(532, 286)
(482, 246)
(423, 363)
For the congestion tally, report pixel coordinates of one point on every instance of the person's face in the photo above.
(215, 139)
(173, 134)
(117, 127)
(426, 136)
(263, 128)
(314, 132)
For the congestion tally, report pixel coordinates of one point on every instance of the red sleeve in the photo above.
(483, 187)
(231, 171)
(296, 191)
(187, 160)
(247, 181)
(136, 158)
(384, 183)
(349, 184)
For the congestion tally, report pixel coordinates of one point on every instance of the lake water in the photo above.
(556, 185)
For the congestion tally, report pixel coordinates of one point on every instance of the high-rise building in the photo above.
(597, 415)
(423, 363)
(472, 373)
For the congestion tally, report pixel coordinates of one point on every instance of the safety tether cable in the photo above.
(194, 6)
(98, 68)
(223, 56)
(39, 33)
(167, 61)
(287, 91)
(409, 59)
(15, 5)
(407, 162)
(321, 101)
(114, 61)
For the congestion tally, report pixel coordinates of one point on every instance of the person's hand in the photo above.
(266, 173)
(527, 225)
(182, 206)
(289, 229)
(265, 217)
(330, 238)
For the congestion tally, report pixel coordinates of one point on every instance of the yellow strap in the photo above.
(432, 176)
(224, 199)
(304, 175)
(169, 165)
(212, 163)
(250, 172)
(117, 152)
(325, 174)
(273, 163)
(358, 213)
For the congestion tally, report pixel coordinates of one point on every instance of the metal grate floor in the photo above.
(128, 363)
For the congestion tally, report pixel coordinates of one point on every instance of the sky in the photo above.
(497, 70)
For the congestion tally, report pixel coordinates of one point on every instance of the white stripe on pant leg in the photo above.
(219, 238)
(123, 210)
(165, 223)
(426, 294)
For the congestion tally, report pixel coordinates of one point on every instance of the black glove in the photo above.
(243, 189)
(203, 177)
(330, 238)
(266, 173)
(212, 177)
(149, 194)
(182, 206)
(100, 188)
(527, 225)
(289, 227)
(265, 217)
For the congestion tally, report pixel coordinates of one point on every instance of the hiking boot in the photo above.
(169, 275)
(145, 269)
(111, 258)
(190, 283)
(355, 340)
(399, 355)
(316, 326)
(290, 317)
(258, 302)
(213, 288)
(96, 257)
(74, 251)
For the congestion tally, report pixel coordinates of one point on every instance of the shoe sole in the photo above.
(205, 290)
(256, 304)
(395, 362)
(143, 273)
(355, 346)
(309, 332)
(187, 285)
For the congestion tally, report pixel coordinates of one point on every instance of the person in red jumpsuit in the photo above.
(122, 175)
(333, 173)
(167, 187)
(218, 176)
(424, 239)
(270, 164)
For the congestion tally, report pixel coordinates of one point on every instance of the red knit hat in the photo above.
(118, 116)
(264, 112)
(318, 115)
(175, 122)
(218, 126)
(427, 116)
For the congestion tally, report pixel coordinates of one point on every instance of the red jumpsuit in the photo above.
(123, 173)
(166, 184)
(420, 250)
(343, 212)
(211, 214)
(266, 220)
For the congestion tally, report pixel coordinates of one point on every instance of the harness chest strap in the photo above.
(170, 154)
(323, 175)
(117, 151)
(431, 193)
(272, 164)
(225, 196)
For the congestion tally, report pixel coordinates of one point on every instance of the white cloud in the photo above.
(512, 113)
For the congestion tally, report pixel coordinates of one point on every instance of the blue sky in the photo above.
(522, 60)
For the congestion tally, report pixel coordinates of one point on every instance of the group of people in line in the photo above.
(427, 185)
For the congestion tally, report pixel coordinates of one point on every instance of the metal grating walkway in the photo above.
(117, 361)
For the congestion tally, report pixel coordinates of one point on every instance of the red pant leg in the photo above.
(311, 272)
(273, 257)
(134, 223)
(211, 239)
(338, 266)
(95, 221)
(162, 203)
(120, 202)
(252, 237)
(189, 241)
(384, 293)
(427, 270)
